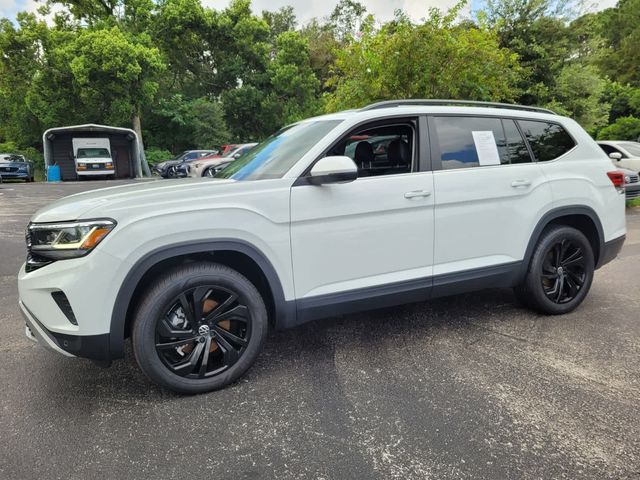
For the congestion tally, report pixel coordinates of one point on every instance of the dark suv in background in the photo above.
(168, 169)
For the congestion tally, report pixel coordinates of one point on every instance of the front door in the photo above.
(371, 236)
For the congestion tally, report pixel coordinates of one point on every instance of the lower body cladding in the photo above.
(97, 346)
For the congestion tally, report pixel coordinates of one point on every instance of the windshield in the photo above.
(632, 147)
(93, 153)
(278, 153)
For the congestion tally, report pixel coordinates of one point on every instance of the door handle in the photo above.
(521, 183)
(417, 194)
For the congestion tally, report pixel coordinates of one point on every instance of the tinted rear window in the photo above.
(459, 144)
(548, 140)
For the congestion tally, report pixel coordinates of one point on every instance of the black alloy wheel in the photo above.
(560, 271)
(198, 327)
(203, 332)
(210, 172)
(563, 271)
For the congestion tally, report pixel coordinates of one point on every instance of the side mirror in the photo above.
(335, 169)
(615, 156)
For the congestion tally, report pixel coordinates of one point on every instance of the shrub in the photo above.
(157, 155)
(625, 128)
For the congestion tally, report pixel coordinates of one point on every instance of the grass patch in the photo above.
(633, 203)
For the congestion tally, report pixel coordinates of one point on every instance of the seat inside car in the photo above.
(399, 155)
(364, 157)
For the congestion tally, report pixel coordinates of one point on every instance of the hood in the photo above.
(107, 202)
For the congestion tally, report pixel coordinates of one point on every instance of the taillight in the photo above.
(617, 178)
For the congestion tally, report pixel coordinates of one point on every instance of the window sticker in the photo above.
(486, 147)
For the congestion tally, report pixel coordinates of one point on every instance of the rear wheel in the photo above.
(198, 328)
(171, 172)
(560, 272)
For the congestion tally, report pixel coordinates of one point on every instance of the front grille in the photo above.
(9, 169)
(633, 178)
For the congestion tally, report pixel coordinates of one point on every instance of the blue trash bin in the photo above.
(53, 173)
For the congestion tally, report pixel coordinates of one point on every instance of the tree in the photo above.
(577, 94)
(107, 76)
(433, 60)
(346, 18)
(620, 29)
(280, 21)
(625, 128)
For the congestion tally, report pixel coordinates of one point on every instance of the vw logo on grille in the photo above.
(203, 330)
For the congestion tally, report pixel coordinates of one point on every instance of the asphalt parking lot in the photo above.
(472, 386)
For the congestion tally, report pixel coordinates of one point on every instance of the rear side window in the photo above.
(479, 141)
(548, 140)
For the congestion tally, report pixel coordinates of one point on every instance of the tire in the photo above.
(190, 352)
(560, 272)
(209, 172)
(171, 172)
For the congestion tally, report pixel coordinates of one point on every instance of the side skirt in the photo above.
(418, 290)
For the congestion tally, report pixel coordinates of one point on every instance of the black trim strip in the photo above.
(411, 291)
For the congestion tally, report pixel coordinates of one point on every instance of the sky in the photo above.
(307, 9)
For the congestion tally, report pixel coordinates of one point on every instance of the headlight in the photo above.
(627, 179)
(23, 168)
(47, 242)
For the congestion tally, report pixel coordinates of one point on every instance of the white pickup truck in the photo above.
(93, 157)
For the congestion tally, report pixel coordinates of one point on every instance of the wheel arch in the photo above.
(234, 253)
(582, 218)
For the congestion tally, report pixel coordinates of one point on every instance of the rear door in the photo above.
(488, 193)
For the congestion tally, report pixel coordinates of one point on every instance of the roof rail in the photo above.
(469, 103)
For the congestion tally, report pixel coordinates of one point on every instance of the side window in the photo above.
(516, 147)
(380, 150)
(548, 140)
(191, 156)
(479, 141)
(609, 149)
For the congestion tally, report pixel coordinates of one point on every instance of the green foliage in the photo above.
(157, 155)
(432, 60)
(179, 124)
(622, 42)
(577, 94)
(625, 128)
(195, 77)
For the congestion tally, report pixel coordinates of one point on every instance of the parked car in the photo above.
(625, 154)
(168, 169)
(631, 184)
(17, 166)
(208, 166)
(475, 196)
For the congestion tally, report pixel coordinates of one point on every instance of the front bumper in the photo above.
(18, 175)
(94, 347)
(89, 173)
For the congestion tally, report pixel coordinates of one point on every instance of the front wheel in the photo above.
(210, 172)
(560, 272)
(198, 328)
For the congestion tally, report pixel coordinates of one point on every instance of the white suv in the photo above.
(397, 202)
